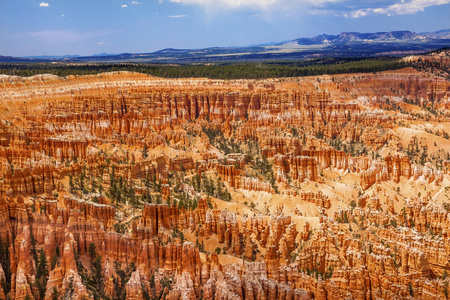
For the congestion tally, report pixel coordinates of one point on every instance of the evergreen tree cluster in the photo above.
(6, 264)
(218, 140)
(266, 170)
(120, 191)
(228, 70)
(214, 188)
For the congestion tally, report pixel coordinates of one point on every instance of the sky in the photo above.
(87, 27)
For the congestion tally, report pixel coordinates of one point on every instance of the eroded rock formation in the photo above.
(125, 185)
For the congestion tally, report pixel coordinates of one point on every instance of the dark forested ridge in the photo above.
(248, 70)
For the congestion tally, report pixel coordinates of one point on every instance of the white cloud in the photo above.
(400, 8)
(258, 4)
(124, 6)
(229, 3)
(346, 8)
(103, 43)
(44, 4)
(63, 16)
(135, 2)
(178, 16)
(358, 13)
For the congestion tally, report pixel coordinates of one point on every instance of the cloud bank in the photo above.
(230, 3)
(400, 8)
(345, 8)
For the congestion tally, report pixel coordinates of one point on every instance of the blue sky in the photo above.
(86, 27)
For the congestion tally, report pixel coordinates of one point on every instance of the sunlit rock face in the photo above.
(123, 185)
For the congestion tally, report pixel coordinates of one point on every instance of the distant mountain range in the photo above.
(346, 44)
(63, 56)
(378, 37)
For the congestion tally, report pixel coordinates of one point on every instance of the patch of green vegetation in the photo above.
(6, 265)
(215, 188)
(230, 70)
